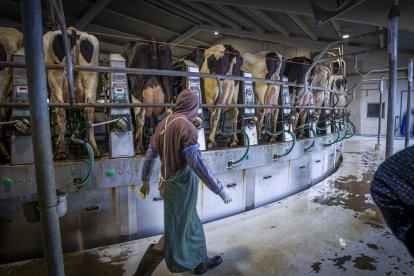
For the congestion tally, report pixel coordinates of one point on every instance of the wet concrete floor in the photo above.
(333, 228)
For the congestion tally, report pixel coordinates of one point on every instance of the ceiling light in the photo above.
(216, 33)
(345, 36)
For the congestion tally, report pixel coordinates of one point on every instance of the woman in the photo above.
(175, 141)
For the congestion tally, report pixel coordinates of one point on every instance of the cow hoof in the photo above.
(233, 144)
(272, 139)
(300, 136)
(211, 145)
(60, 156)
(140, 151)
(97, 154)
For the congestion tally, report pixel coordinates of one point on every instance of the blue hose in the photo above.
(307, 126)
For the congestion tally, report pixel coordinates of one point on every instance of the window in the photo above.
(373, 110)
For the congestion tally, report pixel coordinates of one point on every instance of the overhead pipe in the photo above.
(156, 72)
(42, 144)
(58, 9)
(392, 84)
(409, 91)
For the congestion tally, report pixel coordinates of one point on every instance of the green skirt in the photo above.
(185, 243)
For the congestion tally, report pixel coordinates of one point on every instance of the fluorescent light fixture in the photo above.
(345, 36)
(216, 33)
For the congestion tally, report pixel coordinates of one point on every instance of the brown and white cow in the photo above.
(223, 60)
(265, 65)
(295, 71)
(85, 52)
(10, 41)
(322, 78)
(146, 88)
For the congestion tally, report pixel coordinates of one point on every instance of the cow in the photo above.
(223, 60)
(322, 78)
(265, 65)
(148, 89)
(85, 51)
(295, 71)
(10, 41)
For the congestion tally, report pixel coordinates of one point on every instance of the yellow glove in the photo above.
(144, 190)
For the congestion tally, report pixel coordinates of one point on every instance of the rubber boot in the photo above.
(207, 264)
(149, 262)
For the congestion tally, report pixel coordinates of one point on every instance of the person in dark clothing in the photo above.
(182, 166)
(392, 189)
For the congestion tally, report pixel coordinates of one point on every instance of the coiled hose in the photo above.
(231, 163)
(84, 182)
(279, 133)
(307, 126)
(336, 131)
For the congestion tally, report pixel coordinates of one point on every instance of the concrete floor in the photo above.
(332, 228)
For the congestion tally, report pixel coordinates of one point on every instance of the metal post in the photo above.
(58, 7)
(381, 92)
(42, 145)
(392, 84)
(410, 87)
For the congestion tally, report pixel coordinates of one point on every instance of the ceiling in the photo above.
(192, 23)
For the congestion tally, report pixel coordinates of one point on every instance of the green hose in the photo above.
(247, 147)
(307, 126)
(336, 139)
(89, 149)
(352, 128)
(279, 133)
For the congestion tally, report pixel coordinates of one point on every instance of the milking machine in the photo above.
(284, 125)
(249, 120)
(194, 84)
(21, 138)
(120, 129)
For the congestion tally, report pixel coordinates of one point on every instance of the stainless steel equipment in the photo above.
(283, 122)
(21, 138)
(249, 121)
(193, 83)
(121, 130)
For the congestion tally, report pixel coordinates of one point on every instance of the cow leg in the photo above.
(139, 114)
(260, 119)
(214, 116)
(6, 88)
(56, 80)
(274, 115)
(302, 116)
(91, 134)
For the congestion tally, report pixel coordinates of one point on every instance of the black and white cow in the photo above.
(147, 88)
(85, 52)
(10, 41)
(265, 65)
(295, 71)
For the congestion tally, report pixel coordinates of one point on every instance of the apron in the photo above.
(185, 244)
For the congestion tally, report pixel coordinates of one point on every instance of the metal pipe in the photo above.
(381, 91)
(376, 80)
(123, 105)
(410, 87)
(392, 89)
(57, 5)
(42, 145)
(155, 72)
